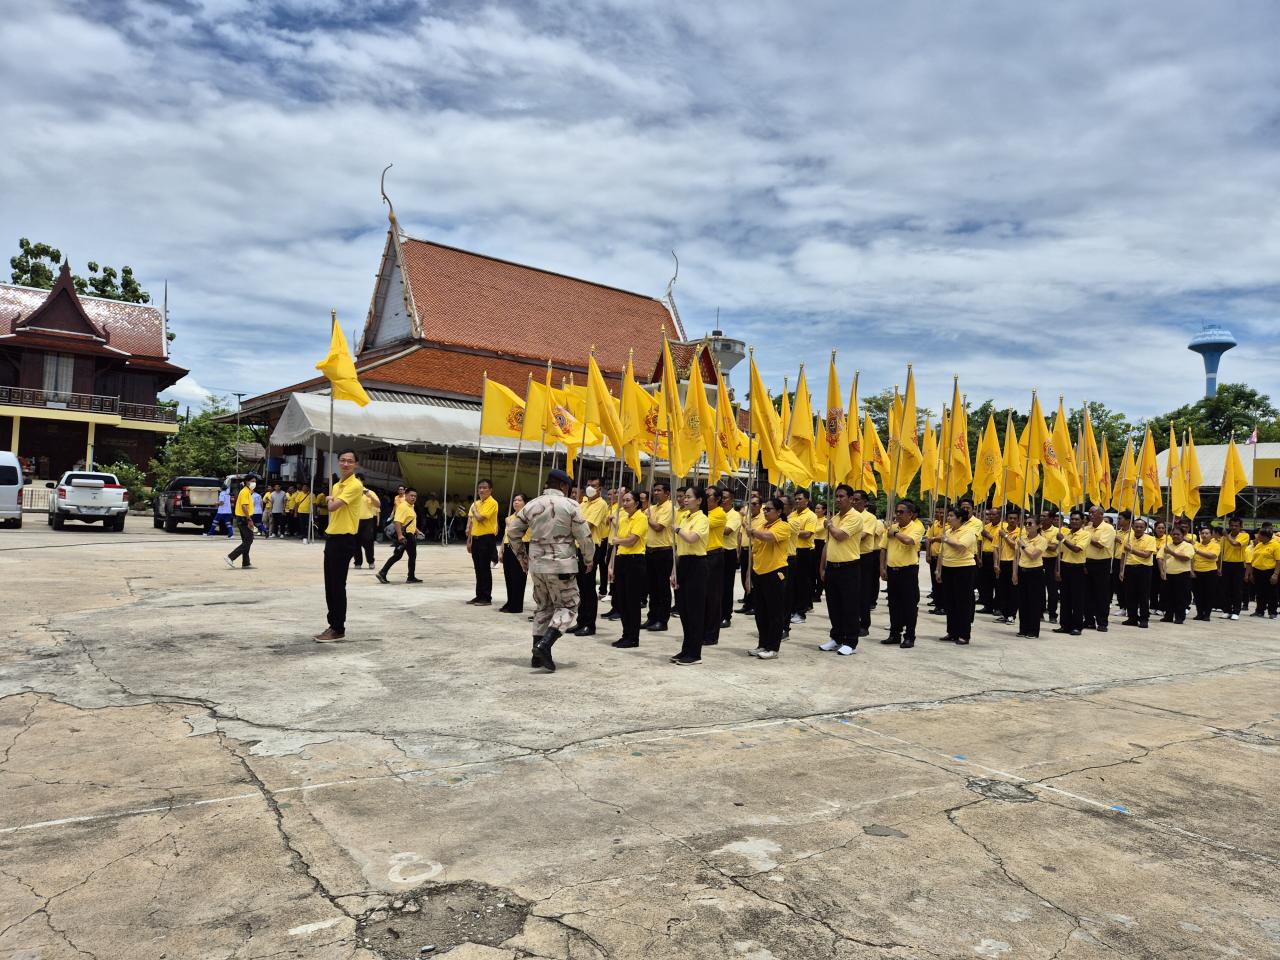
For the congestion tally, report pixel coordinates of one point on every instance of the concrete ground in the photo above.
(185, 774)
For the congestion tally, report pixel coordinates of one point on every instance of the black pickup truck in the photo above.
(186, 500)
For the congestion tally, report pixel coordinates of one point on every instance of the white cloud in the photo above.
(1026, 196)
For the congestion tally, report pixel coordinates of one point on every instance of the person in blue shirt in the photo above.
(222, 519)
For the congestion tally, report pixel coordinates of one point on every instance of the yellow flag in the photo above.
(777, 460)
(537, 411)
(929, 461)
(341, 370)
(785, 414)
(501, 411)
(1040, 449)
(1124, 495)
(639, 421)
(854, 476)
(958, 456)
(904, 442)
(989, 467)
(725, 453)
(873, 455)
(1062, 445)
(1013, 467)
(1096, 477)
(1104, 475)
(1149, 474)
(602, 409)
(1173, 472)
(693, 426)
(801, 439)
(669, 416)
(1233, 481)
(834, 442)
(1191, 471)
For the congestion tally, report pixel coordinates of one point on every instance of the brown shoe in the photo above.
(329, 636)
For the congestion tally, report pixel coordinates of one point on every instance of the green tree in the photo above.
(35, 264)
(1231, 413)
(133, 479)
(202, 447)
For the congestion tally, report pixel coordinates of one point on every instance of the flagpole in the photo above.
(946, 483)
(1253, 473)
(311, 490)
(475, 484)
(448, 518)
(333, 322)
(520, 440)
(582, 448)
(1119, 507)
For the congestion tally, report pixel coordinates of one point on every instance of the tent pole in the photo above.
(448, 517)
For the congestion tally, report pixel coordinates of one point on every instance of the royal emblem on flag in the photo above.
(515, 419)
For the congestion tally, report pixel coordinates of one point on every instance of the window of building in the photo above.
(59, 376)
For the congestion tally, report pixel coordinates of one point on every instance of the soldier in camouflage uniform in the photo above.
(556, 525)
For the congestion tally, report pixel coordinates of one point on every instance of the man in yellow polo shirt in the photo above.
(595, 510)
(1097, 567)
(900, 569)
(482, 542)
(1072, 544)
(404, 519)
(244, 523)
(659, 557)
(340, 543)
(840, 569)
(1263, 572)
(869, 564)
(803, 527)
(1231, 569)
(1139, 562)
(370, 507)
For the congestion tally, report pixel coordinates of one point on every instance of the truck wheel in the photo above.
(17, 524)
(57, 520)
(49, 519)
(118, 525)
(170, 525)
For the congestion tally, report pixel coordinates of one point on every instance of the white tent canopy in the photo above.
(306, 420)
(1213, 458)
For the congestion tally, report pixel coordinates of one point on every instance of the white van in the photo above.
(10, 490)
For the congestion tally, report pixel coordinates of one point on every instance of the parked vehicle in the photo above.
(88, 497)
(10, 490)
(186, 500)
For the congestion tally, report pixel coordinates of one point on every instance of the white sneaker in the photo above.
(1234, 616)
(756, 652)
(846, 650)
(796, 618)
(828, 646)
(229, 562)
(767, 655)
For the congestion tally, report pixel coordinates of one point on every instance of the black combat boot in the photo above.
(542, 649)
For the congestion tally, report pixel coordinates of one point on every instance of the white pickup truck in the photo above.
(89, 497)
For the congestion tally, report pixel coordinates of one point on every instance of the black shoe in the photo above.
(962, 641)
(656, 627)
(1075, 633)
(864, 632)
(625, 644)
(1053, 618)
(1128, 623)
(907, 644)
(1168, 618)
(416, 580)
(946, 639)
(725, 623)
(1061, 630)
(889, 640)
(612, 615)
(359, 567)
(583, 631)
(710, 643)
(685, 661)
(746, 610)
(381, 577)
(1142, 625)
(542, 650)
(1100, 629)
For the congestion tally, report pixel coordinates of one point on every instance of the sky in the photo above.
(1023, 195)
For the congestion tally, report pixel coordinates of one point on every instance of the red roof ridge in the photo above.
(526, 266)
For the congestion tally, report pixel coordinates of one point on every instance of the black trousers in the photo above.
(844, 601)
(588, 601)
(691, 600)
(1051, 587)
(1006, 596)
(602, 568)
(1075, 596)
(713, 599)
(1177, 592)
(957, 594)
(1137, 591)
(1232, 586)
(729, 575)
(365, 533)
(793, 580)
(658, 564)
(1158, 601)
(769, 592)
(1265, 591)
(935, 588)
(1203, 588)
(406, 547)
(870, 583)
(808, 576)
(516, 580)
(1030, 600)
(1098, 573)
(628, 582)
(339, 548)
(818, 585)
(904, 601)
(987, 581)
(245, 526)
(482, 556)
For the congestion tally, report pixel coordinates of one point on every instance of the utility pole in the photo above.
(239, 397)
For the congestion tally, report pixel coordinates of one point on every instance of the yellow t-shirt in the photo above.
(346, 519)
(732, 528)
(634, 525)
(484, 517)
(244, 502)
(1144, 542)
(1123, 538)
(1105, 534)
(1081, 539)
(1177, 557)
(407, 517)
(291, 502)
(370, 505)
(990, 537)
(767, 557)
(1265, 555)
(867, 543)
(596, 513)
(692, 521)
(716, 520)
(803, 521)
(820, 529)
(1038, 542)
(935, 530)
(1006, 548)
(506, 539)
(1205, 564)
(1233, 550)
(843, 551)
(661, 514)
(1050, 542)
(964, 555)
(902, 554)
(303, 504)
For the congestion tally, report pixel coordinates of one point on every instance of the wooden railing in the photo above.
(86, 403)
